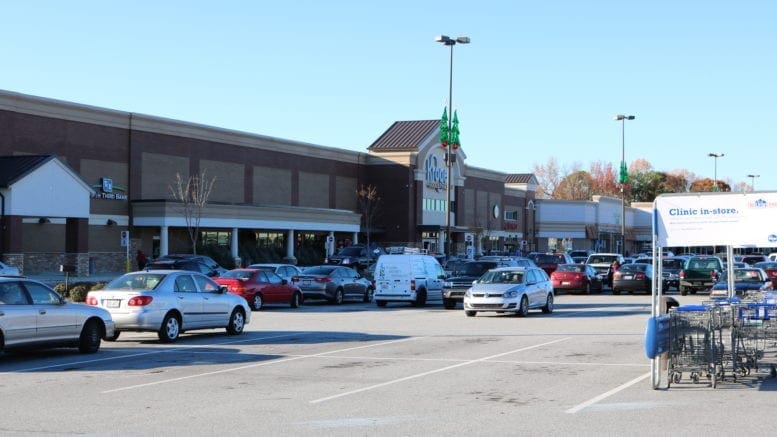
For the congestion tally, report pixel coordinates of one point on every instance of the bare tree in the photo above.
(193, 195)
(369, 205)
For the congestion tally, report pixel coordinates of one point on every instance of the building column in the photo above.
(331, 245)
(163, 241)
(290, 248)
(234, 249)
(77, 244)
(355, 239)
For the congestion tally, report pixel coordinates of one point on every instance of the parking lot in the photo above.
(359, 370)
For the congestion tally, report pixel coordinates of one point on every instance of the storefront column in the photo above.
(233, 247)
(290, 248)
(355, 239)
(163, 237)
(330, 247)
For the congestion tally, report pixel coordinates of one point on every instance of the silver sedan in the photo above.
(170, 302)
(34, 315)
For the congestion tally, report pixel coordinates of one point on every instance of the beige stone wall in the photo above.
(159, 172)
(345, 189)
(314, 190)
(272, 186)
(229, 183)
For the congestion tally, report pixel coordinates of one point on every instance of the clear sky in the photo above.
(540, 79)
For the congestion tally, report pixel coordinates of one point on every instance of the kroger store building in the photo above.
(74, 177)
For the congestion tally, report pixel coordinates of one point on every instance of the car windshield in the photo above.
(238, 274)
(135, 281)
(672, 264)
(350, 251)
(501, 277)
(549, 259)
(748, 275)
(767, 265)
(601, 259)
(569, 268)
(474, 269)
(319, 270)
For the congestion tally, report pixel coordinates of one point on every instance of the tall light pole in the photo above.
(450, 153)
(716, 156)
(752, 180)
(623, 176)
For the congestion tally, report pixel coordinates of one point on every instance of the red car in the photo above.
(576, 277)
(770, 267)
(259, 287)
(549, 261)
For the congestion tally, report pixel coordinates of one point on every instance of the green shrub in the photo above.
(78, 292)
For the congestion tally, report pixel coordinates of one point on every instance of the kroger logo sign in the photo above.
(436, 176)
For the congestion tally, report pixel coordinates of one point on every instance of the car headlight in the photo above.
(511, 294)
(468, 293)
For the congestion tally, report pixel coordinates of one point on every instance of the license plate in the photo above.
(306, 283)
(627, 276)
(564, 282)
(112, 303)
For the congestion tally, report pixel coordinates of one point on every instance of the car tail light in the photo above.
(91, 300)
(617, 275)
(714, 275)
(236, 288)
(682, 274)
(324, 279)
(412, 285)
(295, 279)
(139, 301)
(639, 276)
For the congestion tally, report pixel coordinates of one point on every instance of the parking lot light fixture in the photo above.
(623, 176)
(752, 180)
(716, 156)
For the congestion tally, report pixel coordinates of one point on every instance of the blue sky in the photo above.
(539, 80)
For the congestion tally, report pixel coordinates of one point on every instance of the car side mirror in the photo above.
(284, 282)
(223, 289)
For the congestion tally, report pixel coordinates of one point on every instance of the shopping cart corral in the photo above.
(721, 340)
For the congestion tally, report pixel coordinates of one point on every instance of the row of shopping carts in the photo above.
(722, 340)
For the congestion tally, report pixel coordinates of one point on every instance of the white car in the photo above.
(7, 270)
(170, 302)
(34, 315)
(510, 289)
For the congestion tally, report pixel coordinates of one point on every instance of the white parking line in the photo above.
(264, 363)
(431, 372)
(602, 396)
(158, 351)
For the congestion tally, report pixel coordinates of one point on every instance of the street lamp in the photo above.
(716, 156)
(450, 154)
(752, 179)
(623, 177)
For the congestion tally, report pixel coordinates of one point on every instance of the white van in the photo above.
(413, 278)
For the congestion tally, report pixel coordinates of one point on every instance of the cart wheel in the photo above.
(677, 376)
(714, 380)
(695, 377)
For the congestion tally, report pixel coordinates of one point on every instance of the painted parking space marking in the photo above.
(154, 352)
(431, 372)
(603, 396)
(264, 363)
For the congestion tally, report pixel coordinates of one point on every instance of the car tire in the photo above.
(296, 299)
(257, 303)
(470, 313)
(588, 288)
(381, 303)
(114, 337)
(237, 322)
(548, 308)
(368, 295)
(91, 334)
(170, 329)
(523, 308)
(683, 290)
(420, 298)
(338, 299)
(449, 304)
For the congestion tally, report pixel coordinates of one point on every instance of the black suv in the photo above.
(357, 256)
(453, 288)
(208, 261)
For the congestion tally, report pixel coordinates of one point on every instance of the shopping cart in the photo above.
(696, 345)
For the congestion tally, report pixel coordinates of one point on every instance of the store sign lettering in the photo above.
(106, 190)
(436, 176)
